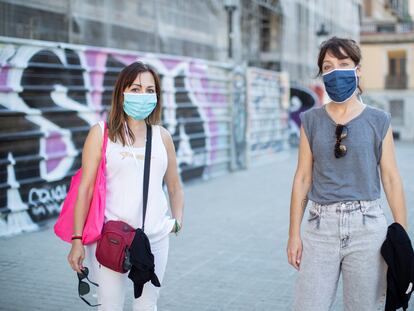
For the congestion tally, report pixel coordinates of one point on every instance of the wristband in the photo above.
(76, 237)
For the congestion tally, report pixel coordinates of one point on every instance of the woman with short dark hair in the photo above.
(345, 146)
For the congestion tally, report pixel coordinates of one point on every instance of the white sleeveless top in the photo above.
(124, 183)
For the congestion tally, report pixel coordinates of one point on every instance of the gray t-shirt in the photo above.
(356, 175)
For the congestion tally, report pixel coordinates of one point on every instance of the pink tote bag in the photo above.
(95, 218)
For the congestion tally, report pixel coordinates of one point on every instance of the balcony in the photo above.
(386, 27)
(387, 32)
(394, 82)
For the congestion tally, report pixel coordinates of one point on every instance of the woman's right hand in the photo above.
(294, 251)
(76, 256)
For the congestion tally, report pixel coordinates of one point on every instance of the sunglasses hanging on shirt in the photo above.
(341, 133)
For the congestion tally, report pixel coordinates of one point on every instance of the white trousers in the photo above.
(113, 285)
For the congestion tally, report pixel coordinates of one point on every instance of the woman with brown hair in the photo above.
(345, 146)
(136, 102)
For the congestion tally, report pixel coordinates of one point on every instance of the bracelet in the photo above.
(76, 237)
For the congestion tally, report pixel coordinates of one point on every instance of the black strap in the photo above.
(147, 165)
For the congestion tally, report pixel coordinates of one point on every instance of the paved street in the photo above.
(230, 256)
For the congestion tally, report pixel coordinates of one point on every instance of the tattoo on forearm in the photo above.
(304, 202)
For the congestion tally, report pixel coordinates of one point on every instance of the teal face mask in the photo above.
(139, 106)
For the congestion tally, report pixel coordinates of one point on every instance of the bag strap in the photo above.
(105, 140)
(147, 165)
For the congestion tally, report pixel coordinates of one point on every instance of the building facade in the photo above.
(179, 27)
(387, 42)
(285, 35)
(271, 34)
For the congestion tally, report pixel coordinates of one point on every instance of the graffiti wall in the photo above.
(52, 93)
(301, 99)
(268, 103)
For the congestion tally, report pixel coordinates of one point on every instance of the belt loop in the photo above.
(313, 207)
(338, 207)
(363, 208)
(318, 208)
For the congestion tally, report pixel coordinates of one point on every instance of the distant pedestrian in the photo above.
(345, 146)
(136, 103)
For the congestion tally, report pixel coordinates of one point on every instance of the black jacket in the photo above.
(399, 256)
(142, 261)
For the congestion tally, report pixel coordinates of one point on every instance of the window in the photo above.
(265, 31)
(397, 63)
(397, 73)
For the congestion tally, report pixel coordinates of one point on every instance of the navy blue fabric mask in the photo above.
(340, 84)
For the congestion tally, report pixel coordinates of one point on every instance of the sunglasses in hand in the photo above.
(83, 287)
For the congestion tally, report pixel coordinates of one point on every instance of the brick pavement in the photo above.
(230, 256)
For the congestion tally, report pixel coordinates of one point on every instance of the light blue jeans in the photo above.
(344, 237)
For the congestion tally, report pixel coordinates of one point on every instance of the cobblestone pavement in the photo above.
(230, 256)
